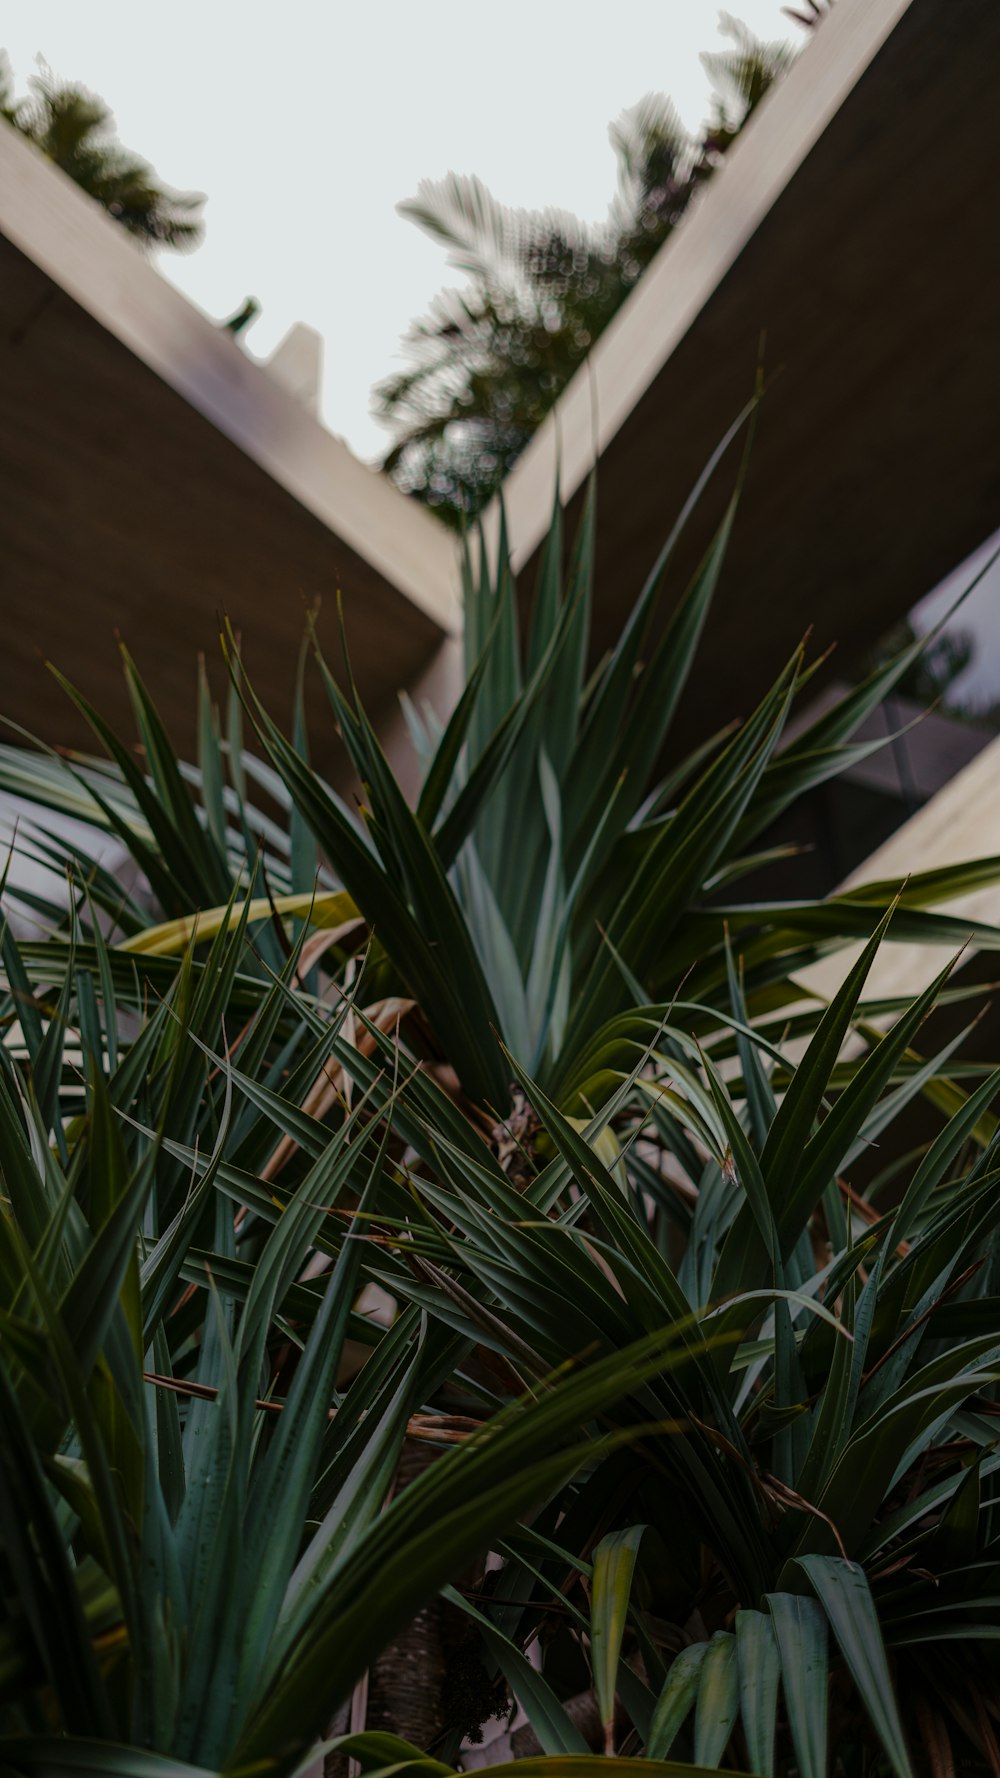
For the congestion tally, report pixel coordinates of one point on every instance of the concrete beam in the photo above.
(961, 822)
(850, 229)
(156, 476)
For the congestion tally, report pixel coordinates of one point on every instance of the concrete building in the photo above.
(155, 478)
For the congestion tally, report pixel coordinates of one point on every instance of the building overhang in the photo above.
(849, 243)
(155, 479)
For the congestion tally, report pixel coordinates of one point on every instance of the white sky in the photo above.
(307, 121)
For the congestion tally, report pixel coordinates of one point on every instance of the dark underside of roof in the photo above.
(873, 283)
(124, 512)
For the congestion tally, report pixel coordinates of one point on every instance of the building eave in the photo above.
(847, 244)
(94, 336)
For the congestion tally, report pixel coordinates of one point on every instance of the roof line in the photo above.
(87, 255)
(690, 265)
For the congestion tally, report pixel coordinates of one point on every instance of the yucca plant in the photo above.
(200, 1556)
(803, 1563)
(188, 1570)
(558, 863)
(518, 1058)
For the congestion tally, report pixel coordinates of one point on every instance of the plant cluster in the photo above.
(75, 129)
(493, 1147)
(487, 362)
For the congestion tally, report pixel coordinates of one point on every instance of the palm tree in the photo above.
(487, 363)
(75, 129)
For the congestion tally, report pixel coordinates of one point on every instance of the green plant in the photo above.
(801, 1546)
(621, 887)
(74, 129)
(706, 1393)
(487, 362)
(200, 1556)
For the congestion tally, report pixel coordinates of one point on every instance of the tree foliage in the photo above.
(487, 362)
(75, 129)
